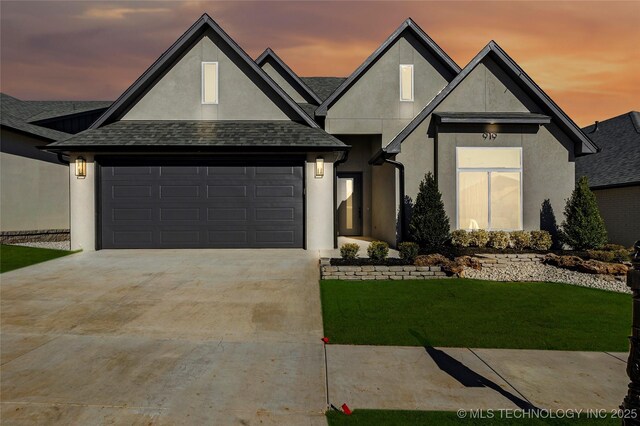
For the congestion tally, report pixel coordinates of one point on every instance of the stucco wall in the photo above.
(548, 163)
(284, 84)
(82, 206)
(619, 208)
(372, 105)
(319, 205)
(34, 186)
(178, 94)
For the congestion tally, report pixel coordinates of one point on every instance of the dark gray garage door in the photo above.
(195, 203)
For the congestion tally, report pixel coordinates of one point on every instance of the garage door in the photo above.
(195, 203)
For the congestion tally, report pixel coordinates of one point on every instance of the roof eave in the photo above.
(269, 53)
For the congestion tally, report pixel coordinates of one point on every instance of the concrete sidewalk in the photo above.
(416, 378)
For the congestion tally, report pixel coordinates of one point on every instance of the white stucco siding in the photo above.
(82, 206)
(319, 205)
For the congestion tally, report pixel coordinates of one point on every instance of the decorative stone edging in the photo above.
(376, 272)
(41, 235)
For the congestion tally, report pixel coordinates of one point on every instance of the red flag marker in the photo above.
(346, 409)
(325, 339)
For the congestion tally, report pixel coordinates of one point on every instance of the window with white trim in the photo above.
(489, 188)
(406, 83)
(209, 82)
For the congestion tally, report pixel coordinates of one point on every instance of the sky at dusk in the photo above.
(584, 54)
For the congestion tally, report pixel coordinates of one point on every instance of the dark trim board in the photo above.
(274, 202)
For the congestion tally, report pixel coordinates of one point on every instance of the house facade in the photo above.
(209, 148)
(614, 174)
(34, 184)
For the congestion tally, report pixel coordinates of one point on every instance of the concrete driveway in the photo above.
(164, 336)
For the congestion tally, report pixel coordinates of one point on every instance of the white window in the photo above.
(489, 188)
(209, 82)
(406, 83)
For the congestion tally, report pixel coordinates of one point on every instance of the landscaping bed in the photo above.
(459, 312)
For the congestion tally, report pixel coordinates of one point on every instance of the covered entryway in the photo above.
(200, 203)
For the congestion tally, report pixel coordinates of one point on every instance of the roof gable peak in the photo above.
(408, 24)
(172, 55)
(305, 90)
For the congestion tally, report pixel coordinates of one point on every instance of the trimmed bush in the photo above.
(541, 240)
(520, 240)
(613, 247)
(349, 251)
(498, 239)
(478, 238)
(378, 250)
(583, 227)
(408, 251)
(601, 255)
(460, 238)
(429, 225)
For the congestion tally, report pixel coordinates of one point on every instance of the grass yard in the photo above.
(401, 418)
(14, 257)
(476, 314)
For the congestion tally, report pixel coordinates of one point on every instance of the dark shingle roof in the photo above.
(323, 86)
(200, 134)
(53, 109)
(618, 162)
(309, 108)
(22, 115)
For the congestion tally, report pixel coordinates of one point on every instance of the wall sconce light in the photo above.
(319, 167)
(81, 168)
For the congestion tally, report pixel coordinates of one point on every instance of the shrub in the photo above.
(378, 250)
(429, 225)
(520, 240)
(430, 260)
(498, 239)
(408, 251)
(583, 227)
(349, 251)
(478, 238)
(460, 238)
(601, 255)
(541, 240)
(613, 247)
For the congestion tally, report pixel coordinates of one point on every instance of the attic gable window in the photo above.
(406, 83)
(209, 82)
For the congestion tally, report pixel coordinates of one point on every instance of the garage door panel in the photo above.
(184, 204)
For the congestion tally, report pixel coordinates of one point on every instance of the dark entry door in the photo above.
(195, 203)
(350, 203)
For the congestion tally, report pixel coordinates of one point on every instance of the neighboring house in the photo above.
(211, 149)
(614, 174)
(34, 184)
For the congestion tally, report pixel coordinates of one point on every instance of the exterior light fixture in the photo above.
(319, 167)
(81, 168)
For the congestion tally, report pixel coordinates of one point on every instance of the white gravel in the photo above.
(57, 245)
(542, 272)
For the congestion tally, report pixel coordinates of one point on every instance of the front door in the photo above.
(350, 203)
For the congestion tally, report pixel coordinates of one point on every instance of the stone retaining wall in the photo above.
(39, 236)
(371, 272)
(490, 260)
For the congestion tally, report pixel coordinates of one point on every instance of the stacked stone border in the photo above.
(375, 272)
(35, 236)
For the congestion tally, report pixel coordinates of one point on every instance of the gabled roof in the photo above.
(583, 144)
(618, 162)
(302, 88)
(143, 135)
(408, 25)
(24, 116)
(169, 57)
(323, 86)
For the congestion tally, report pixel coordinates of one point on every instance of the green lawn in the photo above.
(401, 418)
(14, 257)
(476, 314)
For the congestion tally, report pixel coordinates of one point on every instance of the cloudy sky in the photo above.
(584, 54)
